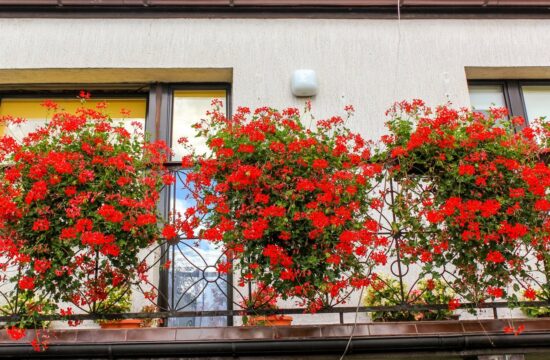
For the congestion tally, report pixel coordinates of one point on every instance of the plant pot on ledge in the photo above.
(118, 301)
(121, 324)
(264, 298)
(270, 320)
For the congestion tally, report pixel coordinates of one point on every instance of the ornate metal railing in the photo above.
(192, 292)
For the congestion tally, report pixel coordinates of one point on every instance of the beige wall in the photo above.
(361, 62)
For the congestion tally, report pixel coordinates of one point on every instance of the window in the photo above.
(537, 101)
(485, 96)
(530, 99)
(30, 108)
(191, 281)
(189, 107)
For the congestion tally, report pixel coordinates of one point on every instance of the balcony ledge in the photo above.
(450, 337)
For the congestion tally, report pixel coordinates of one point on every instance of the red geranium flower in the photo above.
(169, 232)
(27, 283)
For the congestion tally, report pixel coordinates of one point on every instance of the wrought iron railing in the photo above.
(192, 292)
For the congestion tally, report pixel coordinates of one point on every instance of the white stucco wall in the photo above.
(360, 62)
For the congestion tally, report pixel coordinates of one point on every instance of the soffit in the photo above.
(236, 3)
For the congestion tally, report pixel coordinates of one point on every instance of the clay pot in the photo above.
(121, 324)
(270, 320)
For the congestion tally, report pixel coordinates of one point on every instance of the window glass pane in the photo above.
(36, 115)
(194, 284)
(482, 97)
(537, 101)
(190, 106)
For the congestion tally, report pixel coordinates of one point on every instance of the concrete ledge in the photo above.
(409, 337)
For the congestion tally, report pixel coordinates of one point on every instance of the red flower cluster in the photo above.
(169, 232)
(514, 330)
(291, 204)
(70, 222)
(473, 190)
(27, 283)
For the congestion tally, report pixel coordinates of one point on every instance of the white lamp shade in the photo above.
(304, 83)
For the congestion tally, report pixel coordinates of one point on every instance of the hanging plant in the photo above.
(480, 203)
(78, 203)
(289, 203)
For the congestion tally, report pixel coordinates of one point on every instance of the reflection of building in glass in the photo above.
(193, 281)
(196, 287)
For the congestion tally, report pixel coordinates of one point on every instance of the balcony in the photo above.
(400, 291)
(202, 309)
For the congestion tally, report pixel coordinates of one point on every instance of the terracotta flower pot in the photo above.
(270, 320)
(121, 324)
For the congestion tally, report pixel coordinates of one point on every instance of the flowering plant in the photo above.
(29, 309)
(289, 204)
(386, 291)
(150, 322)
(77, 204)
(262, 298)
(118, 301)
(536, 311)
(478, 204)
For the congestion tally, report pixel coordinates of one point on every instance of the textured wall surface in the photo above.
(368, 63)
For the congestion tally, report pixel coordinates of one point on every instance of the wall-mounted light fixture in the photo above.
(304, 82)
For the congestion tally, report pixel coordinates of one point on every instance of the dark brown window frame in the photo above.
(160, 121)
(513, 94)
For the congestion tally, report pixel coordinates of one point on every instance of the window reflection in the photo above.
(537, 101)
(36, 115)
(483, 97)
(193, 281)
(190, 106)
